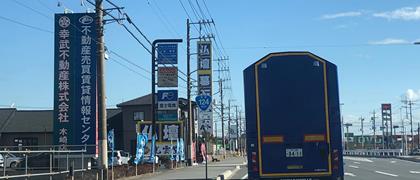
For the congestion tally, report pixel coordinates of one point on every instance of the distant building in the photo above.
(35, 127)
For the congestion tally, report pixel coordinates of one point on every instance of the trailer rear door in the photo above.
(292, 116)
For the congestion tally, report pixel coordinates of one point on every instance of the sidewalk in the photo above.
(195, 172)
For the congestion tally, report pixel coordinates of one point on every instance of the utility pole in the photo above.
(222, 118)
(347, 125)
(374, 128)
(410, 103)
(102, 134)
(240, 132)
(230, 146)
(418, 135)
(361, 129)
(222, 107)
(189, 123)
(237, 127)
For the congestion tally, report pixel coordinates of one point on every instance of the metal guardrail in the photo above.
(59, 161)
(374, 152)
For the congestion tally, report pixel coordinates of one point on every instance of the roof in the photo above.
(13, 120)
(144, 100)
(28, 121)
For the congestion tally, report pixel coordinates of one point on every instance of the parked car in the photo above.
(114, 159)
(11, 160)
(120, 157)
(125, 157)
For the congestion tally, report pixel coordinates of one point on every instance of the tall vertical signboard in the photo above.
(387, 123)
(169, 127)
(204, 77)
(75, 83)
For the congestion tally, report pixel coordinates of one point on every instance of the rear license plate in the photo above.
(295, 152)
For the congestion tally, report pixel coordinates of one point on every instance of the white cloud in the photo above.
(389, 41)
(412, 94)
(405, 13)
(340, 15)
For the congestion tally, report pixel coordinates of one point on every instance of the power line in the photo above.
(26, 25)
(30, 8)
(132, 70)
(131, 62)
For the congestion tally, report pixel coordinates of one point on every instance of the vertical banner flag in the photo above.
(141, 144)
(111, 145)
(204, 76)
(75, 83)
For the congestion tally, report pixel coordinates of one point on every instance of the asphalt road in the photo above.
(357, 168)
(198, 172)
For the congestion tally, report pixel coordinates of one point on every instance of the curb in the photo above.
(228, 173)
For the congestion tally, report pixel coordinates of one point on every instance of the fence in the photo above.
(24, 162)
(375, 153)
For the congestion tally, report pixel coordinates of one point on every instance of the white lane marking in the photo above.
(392, 161)
(349, 174)
(357, 167)
(245, 177)
(357, 159)
(388, 174)
(356, 162)
(415, 172)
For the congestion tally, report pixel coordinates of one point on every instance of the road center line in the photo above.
(388, 174)
(349, 174)
(245, 177)
(357, 167)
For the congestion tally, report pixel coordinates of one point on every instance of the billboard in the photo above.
(167, 76)
(204, 78)
(75, 83)
(167, 99)
(167, 53)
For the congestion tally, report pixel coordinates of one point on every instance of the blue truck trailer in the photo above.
(293, 118)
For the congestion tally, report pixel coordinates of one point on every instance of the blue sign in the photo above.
(167, 95)
(167, 100)
(167, 53)
(167, 115)
(203, 101)
(111, 146)
(75, 95)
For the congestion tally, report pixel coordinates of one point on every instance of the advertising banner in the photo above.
(204, 78)
(167, 77)
(167, 53)
(167, 99)
(75, 83)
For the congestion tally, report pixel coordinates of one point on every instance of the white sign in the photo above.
(296, 152)
(167, 76)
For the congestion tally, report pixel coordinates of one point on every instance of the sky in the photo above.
(371, 42)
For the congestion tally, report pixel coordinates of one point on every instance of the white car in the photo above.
(125, 157)
(116, 158)
(12, 161)
(120, 157)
